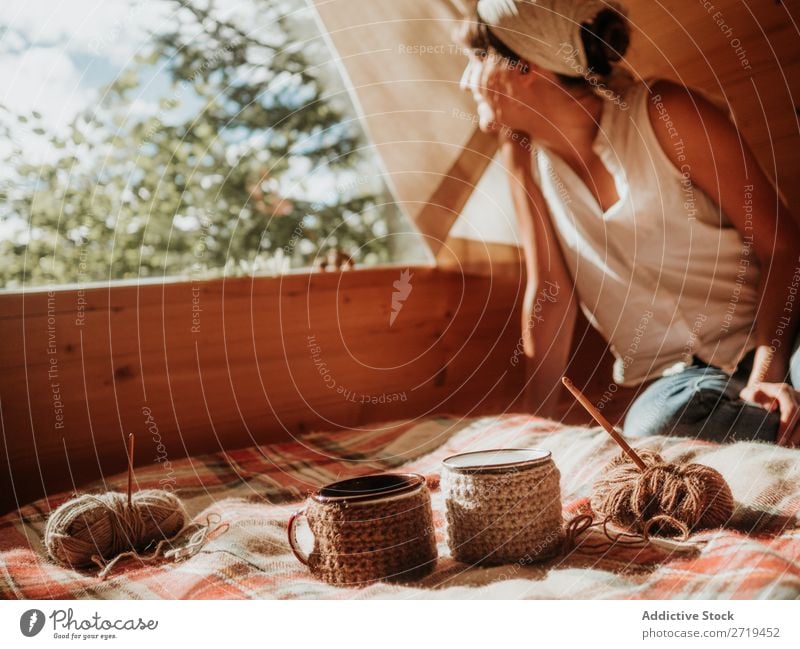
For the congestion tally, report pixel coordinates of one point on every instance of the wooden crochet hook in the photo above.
(130, 467)
(600, 419)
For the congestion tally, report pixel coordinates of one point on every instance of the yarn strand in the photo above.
(201, 533)
(581, 524)
(101, 530)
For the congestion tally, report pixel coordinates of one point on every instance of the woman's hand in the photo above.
(782, 397)
(516, 147)
(549, 304)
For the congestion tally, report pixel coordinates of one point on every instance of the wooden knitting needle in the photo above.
(130, 467)
(600, 419)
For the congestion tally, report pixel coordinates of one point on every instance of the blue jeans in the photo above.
(703, 402)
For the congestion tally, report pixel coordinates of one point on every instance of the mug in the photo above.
(503, 506)
(370, 528)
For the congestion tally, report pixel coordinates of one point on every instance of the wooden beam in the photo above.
(402, 70)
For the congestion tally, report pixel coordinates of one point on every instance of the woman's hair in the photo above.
(605, 41)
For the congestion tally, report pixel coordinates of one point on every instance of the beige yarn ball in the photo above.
(94, 529)
(665, 499)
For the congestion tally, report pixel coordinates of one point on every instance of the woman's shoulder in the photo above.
(669, 96)
(661, 92)
(682, 119)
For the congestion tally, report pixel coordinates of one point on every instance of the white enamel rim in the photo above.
(499, 459)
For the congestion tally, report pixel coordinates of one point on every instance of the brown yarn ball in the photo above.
(93, 529)
(665, 499)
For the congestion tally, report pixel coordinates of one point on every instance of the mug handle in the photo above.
(302, 558)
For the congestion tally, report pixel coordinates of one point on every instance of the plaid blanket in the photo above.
(255, 490)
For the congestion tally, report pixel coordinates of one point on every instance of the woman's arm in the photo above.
(549, 309)
(719, 161)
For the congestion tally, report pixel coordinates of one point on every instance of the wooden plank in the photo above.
(482, 257)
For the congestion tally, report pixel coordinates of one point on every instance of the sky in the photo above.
(56, 54)
(53, 51)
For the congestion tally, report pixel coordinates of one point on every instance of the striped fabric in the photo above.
(255, 490)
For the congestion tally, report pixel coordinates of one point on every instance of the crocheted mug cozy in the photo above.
(369, 528)
(503, 506)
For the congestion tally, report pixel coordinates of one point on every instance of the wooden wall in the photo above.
(81, 370)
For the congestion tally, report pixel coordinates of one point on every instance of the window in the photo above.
(181, 138)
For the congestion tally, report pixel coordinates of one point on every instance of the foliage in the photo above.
(202, 185)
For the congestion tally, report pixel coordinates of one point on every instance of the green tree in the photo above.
(199, 187)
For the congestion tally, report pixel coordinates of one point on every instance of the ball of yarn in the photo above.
(665, 499)
(94, 529)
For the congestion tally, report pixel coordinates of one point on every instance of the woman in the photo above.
(642, 203)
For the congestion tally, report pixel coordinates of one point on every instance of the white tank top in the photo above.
(663, 275)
